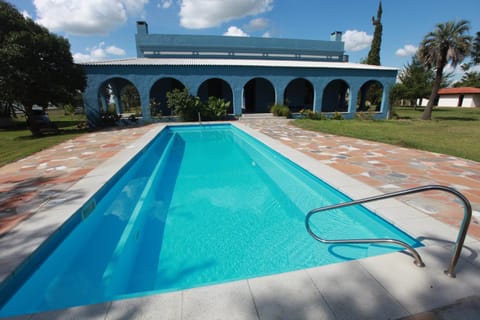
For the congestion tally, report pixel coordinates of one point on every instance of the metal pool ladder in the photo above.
(467, 215)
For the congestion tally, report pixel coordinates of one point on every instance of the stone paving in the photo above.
(31, 183)
(390, 168)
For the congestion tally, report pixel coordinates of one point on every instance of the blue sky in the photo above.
(105, 29)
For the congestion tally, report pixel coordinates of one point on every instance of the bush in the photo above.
(69, 109)
(216, 109)
(309, 114)
(109, 119)
(281, 111)
(337, 116)
(184, 104)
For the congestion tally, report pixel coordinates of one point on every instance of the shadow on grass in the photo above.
(456, 118)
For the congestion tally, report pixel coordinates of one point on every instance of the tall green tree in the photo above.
(416, 81)
(374, 53)
(469, 79)
(36, 66)
(447, 44)
(476, 49)
(130, 98)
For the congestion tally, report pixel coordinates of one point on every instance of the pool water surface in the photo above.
(199, 205)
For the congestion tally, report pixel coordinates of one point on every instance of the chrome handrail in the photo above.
(467, 215)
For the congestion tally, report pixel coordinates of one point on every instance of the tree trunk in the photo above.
(427, 113)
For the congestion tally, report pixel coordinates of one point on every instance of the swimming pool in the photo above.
(199, 205)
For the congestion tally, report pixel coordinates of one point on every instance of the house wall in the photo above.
(471, 100)
(143, 77)
(448, 100)
(451, 100)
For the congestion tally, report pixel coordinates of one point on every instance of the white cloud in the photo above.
(407, 50)
(199, 14)
(257, 24)
(86, 17)
(115, 51)
(267, 35)
(235, 32)
(356, 40)
(99, 52)
(26, 15)
(165, 4)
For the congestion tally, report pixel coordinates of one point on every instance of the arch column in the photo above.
(116, 98)
(145, 103)
(318, 87)
(91, 106)
(385, 106)
(237, 98)
(352, 102)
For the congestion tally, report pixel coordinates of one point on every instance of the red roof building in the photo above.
(459, 97)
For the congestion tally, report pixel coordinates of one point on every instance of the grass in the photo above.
(451, 131)
(18, 142)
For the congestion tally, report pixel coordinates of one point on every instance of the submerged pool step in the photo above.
(121, 263)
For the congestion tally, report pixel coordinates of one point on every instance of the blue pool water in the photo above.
(199, 205)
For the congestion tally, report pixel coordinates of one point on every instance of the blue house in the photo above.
(252, 73)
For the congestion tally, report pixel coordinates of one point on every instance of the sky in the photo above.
(105, 29)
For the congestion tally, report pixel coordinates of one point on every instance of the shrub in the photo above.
(215, 109)
(337, 116)
(109, 119)
(309, 114)
(69, 109)
(280, 110)
(183, 104)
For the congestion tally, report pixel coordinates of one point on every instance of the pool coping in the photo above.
(370, 272)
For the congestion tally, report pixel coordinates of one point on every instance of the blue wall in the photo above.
(143, 77)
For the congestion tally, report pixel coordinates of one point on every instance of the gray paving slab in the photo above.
(291, 295)
(155, 307)
(352, 293)
(227, 301)
(91, 312)
(420, 289)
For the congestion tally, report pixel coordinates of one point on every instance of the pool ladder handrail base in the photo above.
(467, 215)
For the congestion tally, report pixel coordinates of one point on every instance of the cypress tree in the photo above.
(374, 54)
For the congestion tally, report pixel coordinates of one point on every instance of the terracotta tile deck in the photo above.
(30, 183)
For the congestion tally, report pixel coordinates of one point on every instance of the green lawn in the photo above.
(18, 143)
(451, 131)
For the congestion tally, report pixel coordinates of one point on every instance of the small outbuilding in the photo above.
(468, 97)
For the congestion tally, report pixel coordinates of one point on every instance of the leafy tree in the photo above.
(37, 66)
(448, 43)
(130, 98)
(374, 53)
(416, 81)
(476, 49)
(469, 79)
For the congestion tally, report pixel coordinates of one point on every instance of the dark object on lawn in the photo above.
(41, 121)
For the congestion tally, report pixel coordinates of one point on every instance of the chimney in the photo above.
(142, 28)
(336, 36)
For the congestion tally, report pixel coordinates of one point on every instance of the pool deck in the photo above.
(39, 192)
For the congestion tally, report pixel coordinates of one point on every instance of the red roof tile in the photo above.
(460, 90)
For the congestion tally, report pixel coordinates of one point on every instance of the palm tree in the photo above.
(448, 43)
